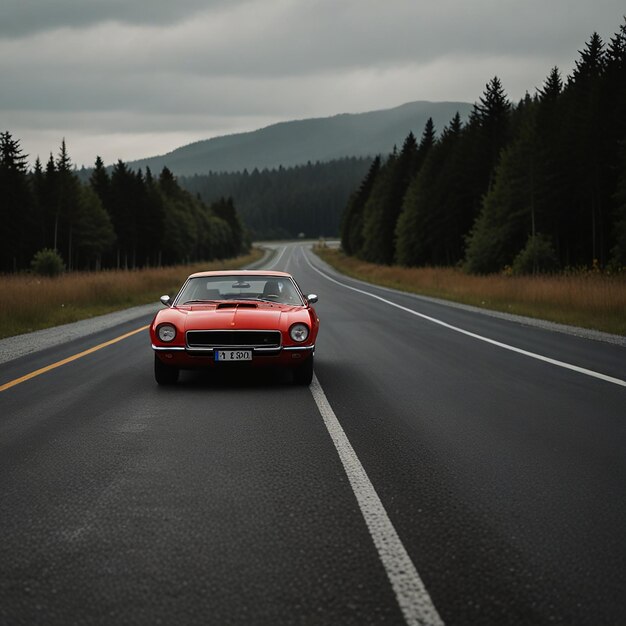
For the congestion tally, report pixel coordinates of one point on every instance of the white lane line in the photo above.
(533, 355)
(413, 599)
(280, 256)
(288, 259)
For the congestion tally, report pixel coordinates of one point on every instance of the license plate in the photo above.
(233, 355)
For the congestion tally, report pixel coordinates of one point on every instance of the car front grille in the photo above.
(233, 338)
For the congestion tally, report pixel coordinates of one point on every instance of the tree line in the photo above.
(114, 219)
(535, 186)
(281, 203)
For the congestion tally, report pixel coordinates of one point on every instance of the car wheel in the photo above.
(164, 374)
(303, 374)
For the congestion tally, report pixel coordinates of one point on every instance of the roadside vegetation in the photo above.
(111, 218)
(32, 302)
(585, 298)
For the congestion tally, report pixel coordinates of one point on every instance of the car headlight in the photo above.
(299, 332)
(166, 332)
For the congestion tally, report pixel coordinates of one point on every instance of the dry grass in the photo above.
(585, 299)
(32, 302)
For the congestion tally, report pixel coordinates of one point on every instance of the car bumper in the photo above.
(192, 358)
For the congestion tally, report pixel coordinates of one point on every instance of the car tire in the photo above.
(303, 374)
(165, 374)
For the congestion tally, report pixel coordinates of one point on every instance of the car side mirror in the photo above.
(166, 300)
(312, 298)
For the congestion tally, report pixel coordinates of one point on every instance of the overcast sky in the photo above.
(126, 79)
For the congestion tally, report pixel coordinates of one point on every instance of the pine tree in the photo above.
(509, 211)
(552, 184)
(492, 116)
(100, 182)
(16, 205)
(12, 159)
(49, 202)
(94, 232)
(412, 227)
(427, 229)
(122, 210)
(592, 61)
(585, 237)
(67, 197)
(352, 222)
(552, 86)
(38, 185)
(426, 143)
(450, 216)
(180, 223)
(168, 184)
(385, 203)
(477, 154)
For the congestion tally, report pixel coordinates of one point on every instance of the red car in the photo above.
(221, 319)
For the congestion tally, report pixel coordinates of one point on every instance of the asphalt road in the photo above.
(429, 475)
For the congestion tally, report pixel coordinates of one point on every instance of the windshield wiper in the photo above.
(198, 301)
(267, 300)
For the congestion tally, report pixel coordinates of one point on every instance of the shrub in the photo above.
(537, 257)
(47, 262)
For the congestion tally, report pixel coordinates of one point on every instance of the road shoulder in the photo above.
(20, 345)
(575, 331)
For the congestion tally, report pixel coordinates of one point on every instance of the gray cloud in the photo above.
(24, 17)
(118, 70)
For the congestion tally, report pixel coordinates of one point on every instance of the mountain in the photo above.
(300, 141)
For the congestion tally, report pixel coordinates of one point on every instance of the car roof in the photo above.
(241, 273)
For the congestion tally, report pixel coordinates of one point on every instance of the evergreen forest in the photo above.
(535, 186)
(281, 203)
(115, 219)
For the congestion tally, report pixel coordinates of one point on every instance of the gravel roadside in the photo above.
(20, 345)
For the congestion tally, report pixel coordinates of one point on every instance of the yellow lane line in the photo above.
(69, 359)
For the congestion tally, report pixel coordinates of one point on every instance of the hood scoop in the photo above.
(237, 305)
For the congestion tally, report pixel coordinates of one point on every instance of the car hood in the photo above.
(233, 318)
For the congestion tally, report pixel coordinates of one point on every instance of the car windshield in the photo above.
(240, 287)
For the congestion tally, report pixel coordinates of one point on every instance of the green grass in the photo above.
(588, 299)
(32, 302)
